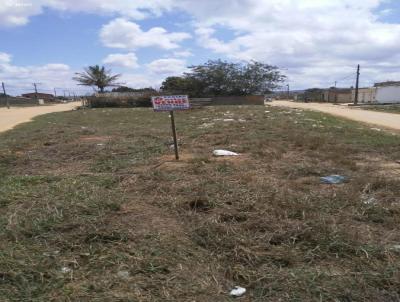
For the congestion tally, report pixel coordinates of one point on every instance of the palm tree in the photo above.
(96, 76)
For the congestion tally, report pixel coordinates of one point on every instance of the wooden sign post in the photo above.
(171, 103)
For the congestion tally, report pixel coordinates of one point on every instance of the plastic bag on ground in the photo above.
(224, 153)
(237, 291)
(333, 179)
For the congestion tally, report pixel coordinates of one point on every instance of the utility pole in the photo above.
(335, 83)
(5, 95)
(288, 91)
(34, 85)
(55, 93)
(357, 84)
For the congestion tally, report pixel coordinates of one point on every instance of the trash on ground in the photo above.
(123, 274)
(228, 120)
(369, 200)
(333, 179)
(395, 247)
(242, 120)
(237, 291)
(376, 129)
(224, 153)
(65, 269)
(206, 125)
(266, 111)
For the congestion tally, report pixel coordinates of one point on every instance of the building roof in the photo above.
(339, 90)
(387, 83)
(39, 94)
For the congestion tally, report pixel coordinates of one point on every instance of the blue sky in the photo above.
(314, 42)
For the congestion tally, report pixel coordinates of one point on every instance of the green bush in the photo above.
(121, 102)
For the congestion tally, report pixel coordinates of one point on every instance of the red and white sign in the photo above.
(170, 102)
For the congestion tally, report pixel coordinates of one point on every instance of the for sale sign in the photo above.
(170, 102)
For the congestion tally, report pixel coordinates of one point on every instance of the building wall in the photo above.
(343, 97)
(337, 96)
(17, 101)
(388, 94)
(365, 95)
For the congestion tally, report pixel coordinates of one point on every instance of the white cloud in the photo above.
(124, 34)
(18, 12)
(318, 41)
(19, 79)
(128, 60)
(138, 81)
(5, 58)
(167, 67)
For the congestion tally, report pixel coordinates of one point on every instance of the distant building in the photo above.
(314, 95)
(387, 83)
(43, 96)
(387, 92)
(337, 95)
(365, 95)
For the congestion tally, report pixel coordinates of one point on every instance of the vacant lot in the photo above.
(92, 208)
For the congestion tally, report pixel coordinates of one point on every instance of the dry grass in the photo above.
(94, 208)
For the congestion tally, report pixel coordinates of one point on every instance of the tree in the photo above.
(216, 78)
(175, 85)
(96, 76)
(128, 89)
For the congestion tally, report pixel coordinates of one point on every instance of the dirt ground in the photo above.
(383, 119)
(9, 118)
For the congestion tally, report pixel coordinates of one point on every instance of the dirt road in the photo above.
(383, 119)
(9, 118)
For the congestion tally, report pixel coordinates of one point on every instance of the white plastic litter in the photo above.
(224, 153)
(228, 120)
(206, 125)
(65, 269)
(237, 291)
(396, 247)
(369, 200)
(123, 274)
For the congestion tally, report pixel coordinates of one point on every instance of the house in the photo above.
(365, 95)
(337, 95)
(314, 95)
(42, 96)
(387, 92)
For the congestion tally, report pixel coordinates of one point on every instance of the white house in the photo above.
(387, 92)
(365, 95)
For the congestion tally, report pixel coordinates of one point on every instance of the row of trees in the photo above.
(217, 78)
(214, 78)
